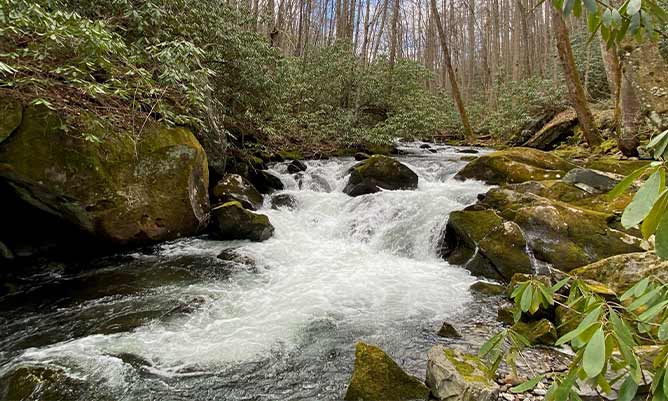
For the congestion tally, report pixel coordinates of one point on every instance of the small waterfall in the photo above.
(337, 269)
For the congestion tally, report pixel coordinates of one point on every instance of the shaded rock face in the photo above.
(380, 172)
(592, 181)
(232, 221)
(455, 376)
(485, 244)
(495, 237)
(30, 382)
(448, 331)
(234, 187)
(555, 132)
(621, 272)
(296, 166)
(539, 332)
(377, 377)
(359, 156)
(123, 191)
(265, 182)
(515, 165)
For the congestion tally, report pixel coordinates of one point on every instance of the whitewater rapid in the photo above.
(338, 269)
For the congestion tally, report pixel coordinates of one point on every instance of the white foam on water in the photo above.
(369, 261)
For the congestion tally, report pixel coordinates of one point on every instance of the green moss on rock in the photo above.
(232, 221)
(233, 187)
(125, 190)
(11, 115)
(537, 332)
(380, 172)
(454, 375)
(515, 165)
(377, 377)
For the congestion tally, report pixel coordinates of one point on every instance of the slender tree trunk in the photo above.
(451, 74)
(575, 89)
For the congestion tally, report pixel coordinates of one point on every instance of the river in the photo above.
(174, 322)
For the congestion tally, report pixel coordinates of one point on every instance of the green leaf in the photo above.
(491, 343)
(527, 385)
(591, 6)
(661, 237)
(621, 329)
(633, 7)
(643, 200)
(627, 182)
(651, 222)
(560, 285)
(642, 301)
(594, 355)
(628, 389)
(527, 297)
(637, 290)
(663, 331)
(653, 311)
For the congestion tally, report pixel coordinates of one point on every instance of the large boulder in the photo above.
(12, 115)
(379, 172)
(377, 377)
(556, 131)
(537, 332)
(485, 244)
(265, 182)
(234, 187)
(116, 186)
(296, 166)
(592, 181)
(515, 165)
(232, 221)
(621, 272)
(456, 376)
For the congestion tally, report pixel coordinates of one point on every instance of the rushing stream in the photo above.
(177, 323)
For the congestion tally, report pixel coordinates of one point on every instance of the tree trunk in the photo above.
(575, 89)
(451, 74)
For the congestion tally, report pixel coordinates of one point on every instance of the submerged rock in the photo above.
(122, 190)
(233, 255)
(380, 172)
(378, 378)
(284, 200)
(296, 166)
(234, 187)
(621, 272)
(232, 221)
(456, 376)
(515, 165)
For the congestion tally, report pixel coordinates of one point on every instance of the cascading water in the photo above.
(180, 324)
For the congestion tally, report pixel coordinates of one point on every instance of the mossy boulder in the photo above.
(124, 188)
(234, 187)
(11, 115)
(487, 288)
(34, 382)
(485, 244)
(377, 377)
(515, 165)
(296, 166)
(537, 332)
(614, 165)
(561, 234)
(232, 221)
(265, 182)
(622, 272)
(380, 172)
(447, 330)
(455, 376)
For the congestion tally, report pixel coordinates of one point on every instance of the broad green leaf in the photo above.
(568, 7)
(527, 385)
(653, 311)
(627, 182)
(634, 7)
(560, 284)
(637, 290)
(651, 222)
(621, 329)
(642, 301)
(628, 389)
(663, 331)
(575, 333)
(593, 360)
(643, 201)
(525, 302)
(491, 343)
(661, 237)
(591, 6)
